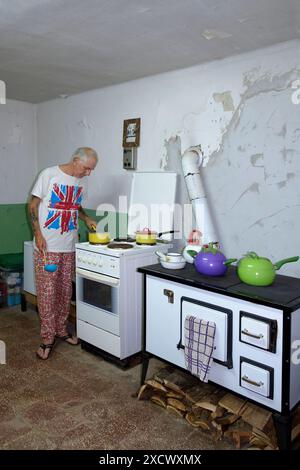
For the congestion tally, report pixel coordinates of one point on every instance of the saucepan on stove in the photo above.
(98, 238)
(149, 237)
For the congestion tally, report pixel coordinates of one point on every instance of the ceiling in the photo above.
(50, 48)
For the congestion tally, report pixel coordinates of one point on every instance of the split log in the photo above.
(175, 379)
(260, 419)
(240, 438)
(198, 421)
(227, 420)
(155, 384)
(173, 394)
(199, 391)
(256, 416)
(159, 399)
(257, 442)
(263, 439)
(175, 411)
(239, 433)
(176, 404)
(233, 404)
(296, 432)
(145, 392)
(218, 413)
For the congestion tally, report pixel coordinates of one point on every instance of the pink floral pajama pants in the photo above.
(54, 292)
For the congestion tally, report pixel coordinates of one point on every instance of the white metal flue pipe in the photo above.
(192, 160)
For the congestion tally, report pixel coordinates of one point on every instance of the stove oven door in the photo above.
(222, 317)
(97, 301)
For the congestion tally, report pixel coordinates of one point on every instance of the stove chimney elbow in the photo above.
(192, 160)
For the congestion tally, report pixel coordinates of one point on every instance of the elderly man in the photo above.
(54, 208)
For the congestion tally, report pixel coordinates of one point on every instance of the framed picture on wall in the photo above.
(131, 132)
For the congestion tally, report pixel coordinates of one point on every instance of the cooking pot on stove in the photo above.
(257, 271)
(209, 261)
(149, 237)
(97, 238)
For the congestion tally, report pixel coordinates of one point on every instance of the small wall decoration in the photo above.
(131, 133)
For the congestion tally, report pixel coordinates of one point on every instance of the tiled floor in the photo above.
(76, 400)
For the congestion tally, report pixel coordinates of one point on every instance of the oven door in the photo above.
(97, 300)
(222, 317)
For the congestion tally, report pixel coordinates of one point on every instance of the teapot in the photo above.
(258, 271)
(210, 260)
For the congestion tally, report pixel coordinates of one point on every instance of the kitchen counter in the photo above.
(284, 293)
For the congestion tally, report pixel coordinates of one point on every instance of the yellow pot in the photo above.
(146, 237)
(99, 238)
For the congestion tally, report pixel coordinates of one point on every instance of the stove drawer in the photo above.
(258, 331)
(257, 377)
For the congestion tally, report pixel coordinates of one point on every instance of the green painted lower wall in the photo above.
(15, 227)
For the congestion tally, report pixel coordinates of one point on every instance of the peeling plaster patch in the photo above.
(241, 149)
(254, 188)
(267, 82)
(255, 157)
(215, 34)
(282, 133)
(290, 176)
(281, 184)
(226, 99)
(171, 142)
(254, 87)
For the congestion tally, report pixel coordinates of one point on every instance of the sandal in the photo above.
(44, 347)
(66, 337)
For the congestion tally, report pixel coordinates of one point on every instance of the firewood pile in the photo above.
(207, 407)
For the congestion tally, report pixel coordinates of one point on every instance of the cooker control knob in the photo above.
(94, 262)
(79, 258)
(100, 262)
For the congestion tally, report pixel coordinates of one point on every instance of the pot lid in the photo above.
(152, 200)
(146, 231)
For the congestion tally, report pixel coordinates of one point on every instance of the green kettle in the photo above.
(257, 271)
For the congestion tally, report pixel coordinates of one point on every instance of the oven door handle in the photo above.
(98, 277)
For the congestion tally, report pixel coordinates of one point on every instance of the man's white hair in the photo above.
(84, 153)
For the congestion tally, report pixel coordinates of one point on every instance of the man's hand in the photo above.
(90, 223)
(40, 242)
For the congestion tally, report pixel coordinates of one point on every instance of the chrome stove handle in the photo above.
(101, 278)
(252, 382)
(247, 333)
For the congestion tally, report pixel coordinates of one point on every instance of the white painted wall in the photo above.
(18, 163)
(240, 109)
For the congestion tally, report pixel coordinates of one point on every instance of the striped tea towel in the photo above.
(199, 346)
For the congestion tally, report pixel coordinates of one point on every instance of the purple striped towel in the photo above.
(199, 346)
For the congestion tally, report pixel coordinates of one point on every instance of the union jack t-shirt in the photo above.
(61, 196)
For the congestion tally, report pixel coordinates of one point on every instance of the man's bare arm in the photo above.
(33, 209)
(89, 222)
